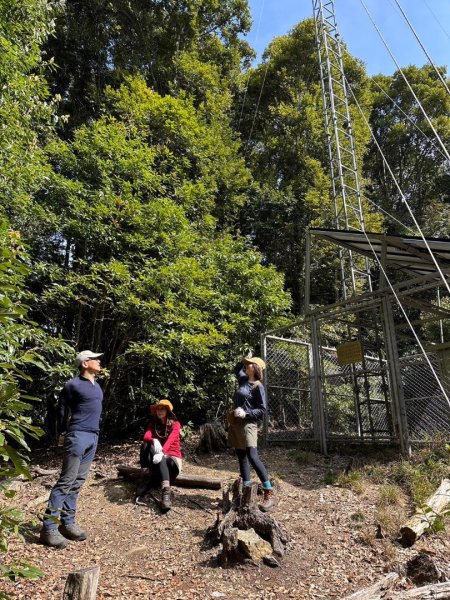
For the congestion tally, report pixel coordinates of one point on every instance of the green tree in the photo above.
(280, 116)
(15, 425)
(26, 116)
(25, 109)
(414, 155)
(135, 258)
(98, 41)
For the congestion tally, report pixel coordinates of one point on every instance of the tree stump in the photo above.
(422, 569)
(213, 438)
(267, 539)
(82, 584)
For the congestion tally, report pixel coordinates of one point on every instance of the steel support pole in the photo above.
(307, 272)
(265, 436)
(317, 387)
(399, 415)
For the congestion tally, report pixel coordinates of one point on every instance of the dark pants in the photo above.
(79, 451)
(251, 456)
(165, 470)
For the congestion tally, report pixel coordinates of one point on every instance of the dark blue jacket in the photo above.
(82, 401)
(250, 396)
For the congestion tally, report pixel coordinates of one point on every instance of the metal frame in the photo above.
(351, 238)
(346, 189)
(404, 414)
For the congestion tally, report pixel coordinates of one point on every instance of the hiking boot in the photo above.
(269, 501)
(73, 532)
(52, 538)
(166, 502)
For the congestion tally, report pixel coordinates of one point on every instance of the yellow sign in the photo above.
(349, 353)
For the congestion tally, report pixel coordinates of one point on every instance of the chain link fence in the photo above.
(377, 397)
(288, 383)
(428, 412)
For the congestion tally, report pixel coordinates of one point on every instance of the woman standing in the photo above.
(250, 404)
(161, 451)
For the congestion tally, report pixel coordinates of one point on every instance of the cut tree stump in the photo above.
(241, 513)
(213, 438)
(424, 518)
(422, 569)
(188, 481)
(82, 584)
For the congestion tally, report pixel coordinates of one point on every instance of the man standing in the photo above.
(81, 400)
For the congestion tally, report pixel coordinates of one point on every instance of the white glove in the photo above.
(157, 458)
(157, 446)
(240, 413)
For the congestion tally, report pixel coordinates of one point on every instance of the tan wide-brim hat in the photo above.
(167, 404)
(256, 361)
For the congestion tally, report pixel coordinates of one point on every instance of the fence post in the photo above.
(395, 377)
(266, 416)
(317, 386)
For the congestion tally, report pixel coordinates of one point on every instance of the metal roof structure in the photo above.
(408, 253)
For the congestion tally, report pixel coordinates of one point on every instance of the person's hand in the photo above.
(240, 413)
(61, 439)
(157, 446)
(158, 458)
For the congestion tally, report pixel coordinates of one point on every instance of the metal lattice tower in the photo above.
(341, 144)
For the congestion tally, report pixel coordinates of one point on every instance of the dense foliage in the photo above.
(173, 197)
(163, 188)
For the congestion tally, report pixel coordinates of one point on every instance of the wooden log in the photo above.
(82, 584)
(189, 481)
(377, 591)
(381, 591)
(425, 517)
(437, 591)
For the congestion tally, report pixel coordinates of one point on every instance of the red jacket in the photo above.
(169, 438)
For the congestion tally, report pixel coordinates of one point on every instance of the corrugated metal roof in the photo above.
(403, 252)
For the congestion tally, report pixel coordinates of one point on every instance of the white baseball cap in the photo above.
(86, 355)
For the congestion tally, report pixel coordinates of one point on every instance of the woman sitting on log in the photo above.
(160, 451)
(250, 404)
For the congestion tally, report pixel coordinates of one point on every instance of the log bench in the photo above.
(183, 480)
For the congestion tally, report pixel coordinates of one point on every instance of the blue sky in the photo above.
(430, 19)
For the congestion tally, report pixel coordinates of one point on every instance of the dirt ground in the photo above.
(143, 554)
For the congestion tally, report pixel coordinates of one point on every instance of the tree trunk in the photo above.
(82, 584)
(189, 481)
(241, 513)
(377, 591)
(424, 518)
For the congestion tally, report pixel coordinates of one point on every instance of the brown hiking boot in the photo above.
(166, 502)
(269, 501)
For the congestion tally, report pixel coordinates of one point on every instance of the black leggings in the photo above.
(251, 456)
(167, 469)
